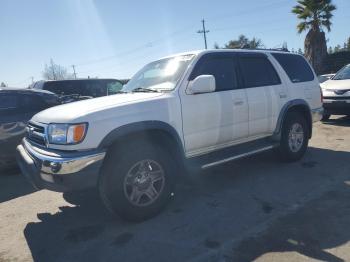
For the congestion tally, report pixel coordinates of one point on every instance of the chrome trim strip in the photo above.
(237, 157)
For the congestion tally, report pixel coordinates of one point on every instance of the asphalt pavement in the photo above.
(255, 209)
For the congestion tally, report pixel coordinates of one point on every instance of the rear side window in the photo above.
(8, 101)
(64, 87)
(222, 68)
(94, 88)
(258, 71)
(296, 67)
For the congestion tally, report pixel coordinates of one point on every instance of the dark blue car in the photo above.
(17, 106)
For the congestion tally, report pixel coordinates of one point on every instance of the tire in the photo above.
(288, 150)
(127, 174)
(325, 117)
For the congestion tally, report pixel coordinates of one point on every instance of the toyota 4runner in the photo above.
(197, 109)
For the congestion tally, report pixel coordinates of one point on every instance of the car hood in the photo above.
(72, 112)
(336, 84)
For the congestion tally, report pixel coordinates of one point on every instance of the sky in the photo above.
(115, 38)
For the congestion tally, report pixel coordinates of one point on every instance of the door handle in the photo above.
(283, 95)
(238, 103)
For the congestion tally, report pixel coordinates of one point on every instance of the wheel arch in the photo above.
(155, 131)
(297, 105)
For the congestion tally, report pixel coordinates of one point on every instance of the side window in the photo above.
(65, 87)
(32, 103)
(113, 87)
(222, 68)
(258, 71)
(94, 88)
(297, 69)
(8, 101)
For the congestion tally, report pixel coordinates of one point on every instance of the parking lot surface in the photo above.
(255, 209)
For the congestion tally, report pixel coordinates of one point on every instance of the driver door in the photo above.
(215, 120)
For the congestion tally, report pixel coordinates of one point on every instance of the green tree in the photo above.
(330, 50)
(244, 42)
(337, 48)
(314, 15)
(348, 44)
(285, 46)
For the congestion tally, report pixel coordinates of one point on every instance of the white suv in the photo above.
(197, 109)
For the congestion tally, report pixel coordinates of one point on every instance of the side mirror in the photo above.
(202, 84)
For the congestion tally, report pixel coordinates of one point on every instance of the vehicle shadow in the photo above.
(13, 184)
(340, 121)
(321, 224)
(222, 205)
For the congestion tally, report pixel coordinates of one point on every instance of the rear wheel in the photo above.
(295, 137)
(137, 181)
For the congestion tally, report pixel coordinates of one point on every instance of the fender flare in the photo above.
(283, 114)
(139, 127)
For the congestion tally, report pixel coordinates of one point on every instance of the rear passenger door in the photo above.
(262, 85)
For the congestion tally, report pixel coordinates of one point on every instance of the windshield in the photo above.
(343, 74)
(161, 75)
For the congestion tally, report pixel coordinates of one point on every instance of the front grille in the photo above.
(36, 133)
(337, 97)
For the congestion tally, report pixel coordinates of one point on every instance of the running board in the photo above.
(237, 157)
(231, 153)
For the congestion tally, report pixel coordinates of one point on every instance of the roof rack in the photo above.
(267, 49)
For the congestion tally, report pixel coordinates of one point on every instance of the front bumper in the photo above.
(59, 171)
(317, 114)
(336, 107)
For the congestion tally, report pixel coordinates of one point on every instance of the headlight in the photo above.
(63, 134)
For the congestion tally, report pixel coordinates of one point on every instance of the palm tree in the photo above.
(315, 15)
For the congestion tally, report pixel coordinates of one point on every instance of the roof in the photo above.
(80, 79)
(206, 51)
(24, 91)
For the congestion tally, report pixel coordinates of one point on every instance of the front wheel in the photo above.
(295, 138)
(137, 181)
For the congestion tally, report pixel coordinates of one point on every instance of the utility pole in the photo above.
(75, 74)
(53, 70)
(204, 32)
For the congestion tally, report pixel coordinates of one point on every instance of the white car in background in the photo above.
(336, 94)
(324, 78)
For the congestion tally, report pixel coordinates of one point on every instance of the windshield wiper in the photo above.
(143, 89)
(119, 92)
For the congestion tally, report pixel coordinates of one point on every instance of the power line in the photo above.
(135, 57)
(204, 32)
(149, 44)
(248, 10)
(164, 38)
